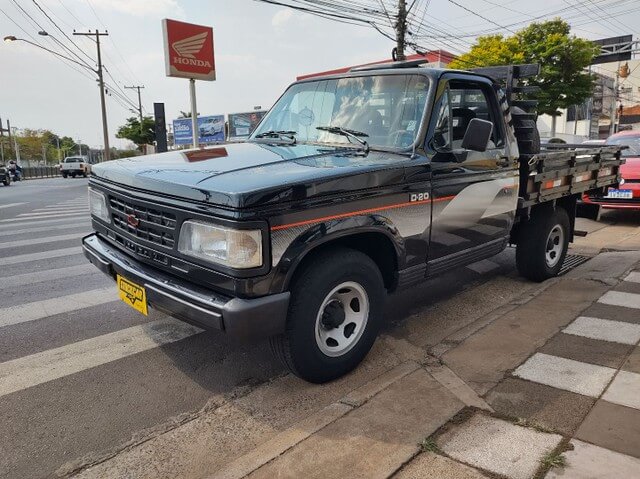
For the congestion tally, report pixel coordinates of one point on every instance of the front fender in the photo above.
(289, 247)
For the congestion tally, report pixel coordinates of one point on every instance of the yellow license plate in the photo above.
(132, 294)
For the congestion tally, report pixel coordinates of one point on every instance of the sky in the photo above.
(259, 49)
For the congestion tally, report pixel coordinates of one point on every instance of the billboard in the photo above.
(614, 49)
(188, 50)
(210, 130)
(241, 125)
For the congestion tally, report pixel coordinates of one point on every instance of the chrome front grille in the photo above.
(153, 225)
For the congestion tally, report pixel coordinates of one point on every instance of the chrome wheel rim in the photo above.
(342, 319)
(555, 245)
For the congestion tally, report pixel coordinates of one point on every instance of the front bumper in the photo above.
(622, 204)
(257, 317)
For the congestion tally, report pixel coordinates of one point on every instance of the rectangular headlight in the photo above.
(98, 205)
(218, 244)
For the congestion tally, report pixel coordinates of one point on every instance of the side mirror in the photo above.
(478, 134)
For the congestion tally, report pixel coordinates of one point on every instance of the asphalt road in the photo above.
(81, 373)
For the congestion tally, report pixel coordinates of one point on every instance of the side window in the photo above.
(468, 101)
(442, 130)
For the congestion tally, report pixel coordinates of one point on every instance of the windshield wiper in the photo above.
(350, 134)
(280, 134)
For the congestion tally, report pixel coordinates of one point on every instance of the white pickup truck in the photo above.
(74, 165)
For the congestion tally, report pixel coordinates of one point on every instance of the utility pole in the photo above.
(139, 102)
(105, 132)
(15, 144)
(2, 130)
(401, 31)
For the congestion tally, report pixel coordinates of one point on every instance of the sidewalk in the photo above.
(548, 384)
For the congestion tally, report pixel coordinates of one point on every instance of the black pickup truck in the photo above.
(353, 186)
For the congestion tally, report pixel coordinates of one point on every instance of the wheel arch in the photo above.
(379, 241)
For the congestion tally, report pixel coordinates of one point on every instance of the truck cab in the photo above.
(352, 186)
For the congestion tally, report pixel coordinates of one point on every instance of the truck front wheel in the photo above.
(334, 316)
(542, 244)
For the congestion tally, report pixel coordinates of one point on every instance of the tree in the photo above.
(563, 59)
(140, 135)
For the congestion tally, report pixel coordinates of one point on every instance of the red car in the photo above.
(627, 195)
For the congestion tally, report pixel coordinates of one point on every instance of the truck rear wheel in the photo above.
(542, 244)
(334, 316)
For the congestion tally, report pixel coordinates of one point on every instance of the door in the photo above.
(474, 192)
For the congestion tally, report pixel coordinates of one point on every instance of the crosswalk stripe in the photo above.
(604, 330)
(51, 214)
(10, 205)
(29, 371)
(34, 241)
(56, 253)
(59, 210)
(619, 298)
(47, 275)
(25, 313)
(39, 221)
(40, 229)
(633, 277)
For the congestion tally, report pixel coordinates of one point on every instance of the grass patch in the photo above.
(553, 459)
(429, 445)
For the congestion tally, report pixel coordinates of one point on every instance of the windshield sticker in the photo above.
(306, 117)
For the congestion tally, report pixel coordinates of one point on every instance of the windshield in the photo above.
(633, 142)
(73, 159)
(387, 108)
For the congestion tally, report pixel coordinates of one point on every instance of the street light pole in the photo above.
(103, 106)
(98, 72)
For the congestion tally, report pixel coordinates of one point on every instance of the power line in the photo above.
(61, 30)
(81, 72)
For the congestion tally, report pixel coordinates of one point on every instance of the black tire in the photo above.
(73, 175)
(298, 347)
(534, 239)
(84, 174)
(6, 182)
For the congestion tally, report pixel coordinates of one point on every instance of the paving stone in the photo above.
(616, 313)
(617, 298)
(484, 358)
(432, 466)
(628, 287)
(374, 440)
(579, 348)
(613, 427)
(546, 406)
(633, 363)
(498, 446)
(567, 374)
(624, 390)
(605, 330)
(633, 277)
(587, 461)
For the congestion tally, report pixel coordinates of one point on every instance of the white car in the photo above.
(211, 127)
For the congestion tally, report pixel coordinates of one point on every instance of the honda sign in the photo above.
(188, 50)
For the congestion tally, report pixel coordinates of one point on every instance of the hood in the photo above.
(631, 168)
(242, 175)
